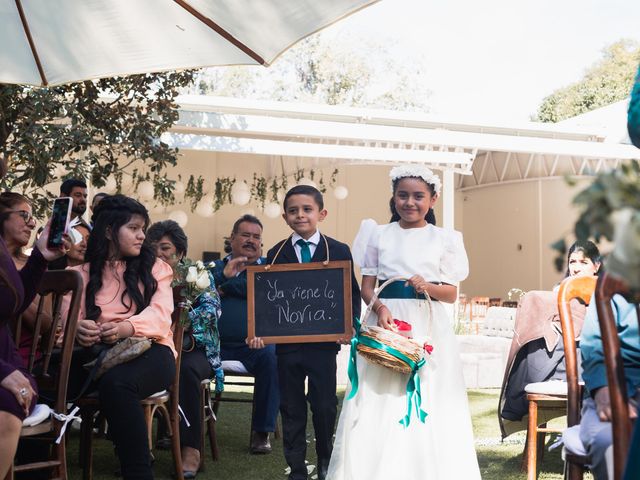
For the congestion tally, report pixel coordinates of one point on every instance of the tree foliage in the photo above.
(90, 130)
(607, 81)
(328, 69)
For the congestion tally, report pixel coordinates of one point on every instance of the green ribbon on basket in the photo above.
(414, 396)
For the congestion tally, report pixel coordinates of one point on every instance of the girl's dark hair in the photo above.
(588, 249)
(111, 214)
(430, 217)
(172, 230)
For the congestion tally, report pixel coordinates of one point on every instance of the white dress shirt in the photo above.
(312, 241)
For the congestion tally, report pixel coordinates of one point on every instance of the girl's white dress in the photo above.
(370, 442)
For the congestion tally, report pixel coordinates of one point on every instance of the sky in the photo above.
(495, 60)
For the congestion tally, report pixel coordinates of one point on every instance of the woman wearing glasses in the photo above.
(16, 227)
(17, 288)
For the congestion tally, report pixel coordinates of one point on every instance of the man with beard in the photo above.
(245, 247)
(77, 190)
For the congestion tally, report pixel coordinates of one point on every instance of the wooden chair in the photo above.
(552, 395)
(208, 423)
(479, 307)
(495, 301)
(165, 403)
(243, 379)
(510, 304)
(607, 287)
(52, 377)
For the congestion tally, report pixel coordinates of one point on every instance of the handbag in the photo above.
(122, 352)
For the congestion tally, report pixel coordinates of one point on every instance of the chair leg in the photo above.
(148, 417)
(573, 471)
(175, 447)
(205, 414)
(61, 455)
(213, 438)
(86, 447)
(540, 444)
(532, 437)
(253, 412)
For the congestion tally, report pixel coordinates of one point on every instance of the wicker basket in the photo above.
(407, 347)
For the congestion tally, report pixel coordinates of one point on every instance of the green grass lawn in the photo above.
(499, 461)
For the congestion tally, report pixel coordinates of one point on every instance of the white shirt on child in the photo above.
(312, 241)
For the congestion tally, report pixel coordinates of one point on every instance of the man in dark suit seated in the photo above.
(245, 246)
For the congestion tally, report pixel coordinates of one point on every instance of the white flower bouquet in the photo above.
(194, 278)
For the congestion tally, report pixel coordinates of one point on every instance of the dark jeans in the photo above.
(319, 367)
(120, 390)
(194, 368)
(262, 364)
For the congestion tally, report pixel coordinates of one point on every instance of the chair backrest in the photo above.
(54, 376)
(479, 306)
(510, 304)
(581, 288)
(178, 336)
(606, 288)
(495, 301)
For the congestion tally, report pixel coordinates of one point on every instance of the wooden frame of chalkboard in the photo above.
(299, 302)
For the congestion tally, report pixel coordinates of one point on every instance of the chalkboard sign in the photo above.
(299, 302)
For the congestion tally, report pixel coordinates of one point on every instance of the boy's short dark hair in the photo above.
(71, 183)
(305, 190)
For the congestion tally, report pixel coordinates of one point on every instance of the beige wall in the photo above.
(507, 228)
(508, 231)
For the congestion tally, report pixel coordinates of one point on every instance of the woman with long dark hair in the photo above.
(127, 293)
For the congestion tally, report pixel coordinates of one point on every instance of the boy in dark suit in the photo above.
(303, 209)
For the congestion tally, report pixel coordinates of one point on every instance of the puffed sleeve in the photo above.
(155, 320)
(365, 247)
(454, 264)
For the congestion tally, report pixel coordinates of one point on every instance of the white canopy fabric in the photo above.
(51, 42)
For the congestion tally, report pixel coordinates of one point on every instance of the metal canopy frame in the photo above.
(481, 155)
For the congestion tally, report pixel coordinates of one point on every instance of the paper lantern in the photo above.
(180, 217)
(240, 193)
(145, 190)
(340, 192)
(205, 207)
(272, 210)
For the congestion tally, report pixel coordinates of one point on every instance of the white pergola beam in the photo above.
(460, 162)
(228, 124)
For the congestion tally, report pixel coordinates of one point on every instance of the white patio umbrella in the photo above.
(50, 42)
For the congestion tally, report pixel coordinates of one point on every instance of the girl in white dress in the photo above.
(370, 442)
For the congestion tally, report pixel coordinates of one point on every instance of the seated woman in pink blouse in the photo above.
(127, 292)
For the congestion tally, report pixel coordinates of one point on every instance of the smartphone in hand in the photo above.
(59, 221)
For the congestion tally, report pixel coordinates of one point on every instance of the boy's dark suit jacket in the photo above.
(337, 251)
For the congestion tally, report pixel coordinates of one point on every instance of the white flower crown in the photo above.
(416, 170)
